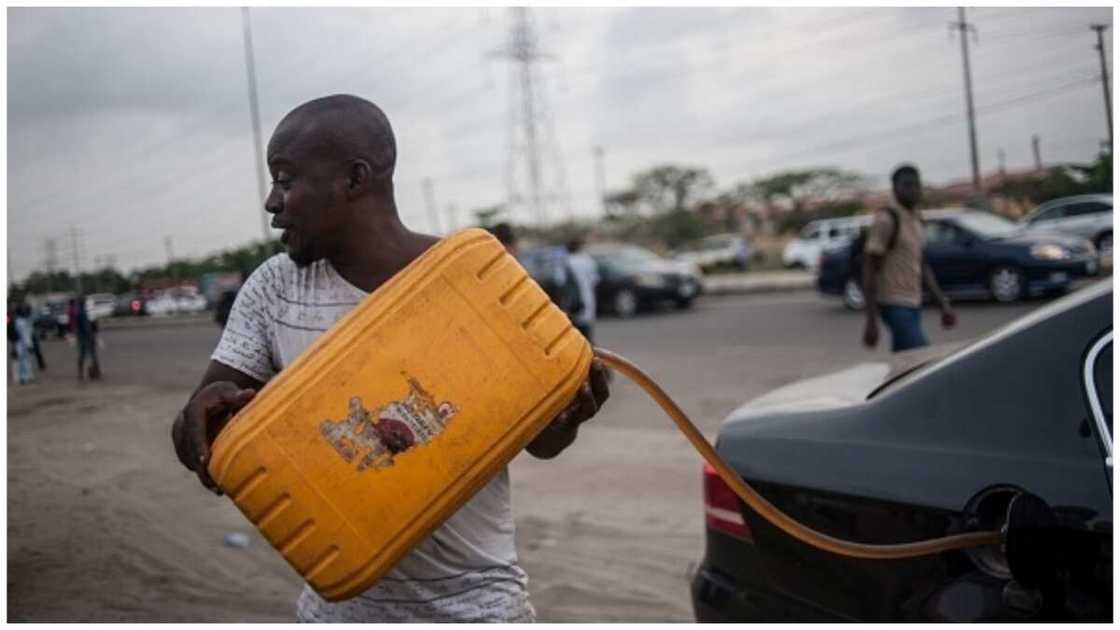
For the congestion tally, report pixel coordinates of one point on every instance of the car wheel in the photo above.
(625, 303)
(1006, 284)
(853, 295)
(1104, 245)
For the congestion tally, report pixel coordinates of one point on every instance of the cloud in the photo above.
(133, 124)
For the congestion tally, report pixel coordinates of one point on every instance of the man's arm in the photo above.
(948, 317)
(561, 432)
(222, 393)
(872, 266)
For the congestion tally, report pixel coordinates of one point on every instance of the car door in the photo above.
(1085, 218)
(1048, 218)
(955, 256)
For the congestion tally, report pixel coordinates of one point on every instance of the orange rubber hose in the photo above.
(778, 518)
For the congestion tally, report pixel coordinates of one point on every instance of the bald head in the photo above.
(340, 128)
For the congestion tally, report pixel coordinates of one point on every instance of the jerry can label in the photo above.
(373, 437)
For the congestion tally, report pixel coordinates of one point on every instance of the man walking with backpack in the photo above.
(895, 268)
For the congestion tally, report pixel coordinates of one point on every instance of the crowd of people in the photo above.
(23, 341)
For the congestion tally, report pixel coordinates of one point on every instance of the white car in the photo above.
(719, 250)
(100, 305)
(176, 301)
(1087, 216)
(804, 251)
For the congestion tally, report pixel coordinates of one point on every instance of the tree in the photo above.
(798, 189)
(622, 203)
(1061, 181)
(671, 188)
(489, 215)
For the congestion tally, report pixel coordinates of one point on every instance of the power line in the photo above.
(898, 133)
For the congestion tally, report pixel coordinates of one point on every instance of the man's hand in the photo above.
(200, 422)
(948, 317)
(871, 333)
(561, 431)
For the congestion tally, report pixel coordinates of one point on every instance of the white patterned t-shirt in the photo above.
(467, 569)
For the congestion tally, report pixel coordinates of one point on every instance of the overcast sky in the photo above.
(132, 126)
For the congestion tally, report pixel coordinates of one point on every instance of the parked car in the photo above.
(179, 300)
(100, 305)
(804, 251)
(938, 447)
(976, 254)
(51, 318)
(1087, 216)
(129, 305)
(720, 250)
(632, 278)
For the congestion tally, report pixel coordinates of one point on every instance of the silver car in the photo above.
(1087, 216)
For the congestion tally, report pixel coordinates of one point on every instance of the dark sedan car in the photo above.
(632, 278)
(977, 254)
(941, 447)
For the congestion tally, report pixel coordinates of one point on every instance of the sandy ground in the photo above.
(104, 525)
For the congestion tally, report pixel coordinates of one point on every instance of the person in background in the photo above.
(84, 329)
(504, 233)
(25, 334)
(895, 268)
(585, 271)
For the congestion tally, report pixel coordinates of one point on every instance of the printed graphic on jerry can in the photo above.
(374, 437)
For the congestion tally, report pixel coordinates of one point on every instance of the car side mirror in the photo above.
(1031, 542)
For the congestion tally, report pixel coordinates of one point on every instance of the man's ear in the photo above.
(359, 179)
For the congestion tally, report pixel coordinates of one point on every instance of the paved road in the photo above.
(721, 352)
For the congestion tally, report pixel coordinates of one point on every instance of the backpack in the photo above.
(855, 252)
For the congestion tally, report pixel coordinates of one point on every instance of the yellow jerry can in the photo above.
(399, 413)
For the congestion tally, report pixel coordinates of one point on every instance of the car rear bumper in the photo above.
(717, 598)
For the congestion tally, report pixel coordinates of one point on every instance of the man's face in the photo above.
(306, 188)
(908, 190)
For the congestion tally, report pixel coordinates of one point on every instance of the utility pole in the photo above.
(1099, 28)
(1002, 162)
(530, 111)
(254, 112)
(452, 218)
(600, 179)
(50, 246)
(170, 257)
(1037, 152)
(965, 28)
(77, 260)
(430, 201)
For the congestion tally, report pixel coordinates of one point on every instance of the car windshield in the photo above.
(987, 225)
(625, 258)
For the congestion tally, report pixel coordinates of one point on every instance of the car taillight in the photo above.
(721, 507)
